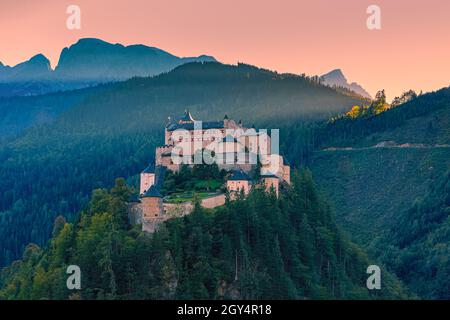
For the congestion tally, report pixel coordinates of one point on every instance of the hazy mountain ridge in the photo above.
(36, 68)
(87, 62)
(94, 59)
(336, 78)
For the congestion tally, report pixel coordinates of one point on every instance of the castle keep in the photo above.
(234, 148)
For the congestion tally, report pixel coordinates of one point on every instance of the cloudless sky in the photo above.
(412, 49)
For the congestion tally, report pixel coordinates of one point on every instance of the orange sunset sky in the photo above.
(412, 50)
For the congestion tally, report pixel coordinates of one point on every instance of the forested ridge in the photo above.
(258, 247)
(389, 184)
(423, 119)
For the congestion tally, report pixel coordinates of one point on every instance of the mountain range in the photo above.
(88, 62)
(91, 61)
(336, 78)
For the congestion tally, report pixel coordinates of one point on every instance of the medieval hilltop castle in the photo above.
(234, 148)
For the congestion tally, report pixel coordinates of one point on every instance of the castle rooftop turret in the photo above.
(239, 175)
(187, 123)
(187, 118)
(152, 193)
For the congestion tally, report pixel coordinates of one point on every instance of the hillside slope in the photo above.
(374, 167)
(377, 170)
(417, 246)
(370, 187)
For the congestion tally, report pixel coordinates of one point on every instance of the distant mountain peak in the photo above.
(93, 59)
(336, 73)
(36, 68)
(206, 57)
(90, 60)
(39, 59)
(337, 78)
(91, 41)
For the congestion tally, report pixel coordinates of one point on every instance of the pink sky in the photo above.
(412, 50)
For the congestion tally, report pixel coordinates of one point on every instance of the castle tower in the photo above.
(152, 209)
(226, 121)
(187, 118)
(147, 179)
(271, 181)
(237, 182)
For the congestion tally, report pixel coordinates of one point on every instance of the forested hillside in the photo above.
(112, 130)
(373, 167)
(378, 170)
(378, 163)
(417, 246)
(20, 113)
(424, 120)
(260, 247)
(209, 89)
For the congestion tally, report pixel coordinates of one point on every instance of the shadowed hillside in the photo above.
(417, 245)
(387, 176)
(375, 166)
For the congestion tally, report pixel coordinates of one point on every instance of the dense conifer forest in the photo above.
(418, 247)
(253, 248)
